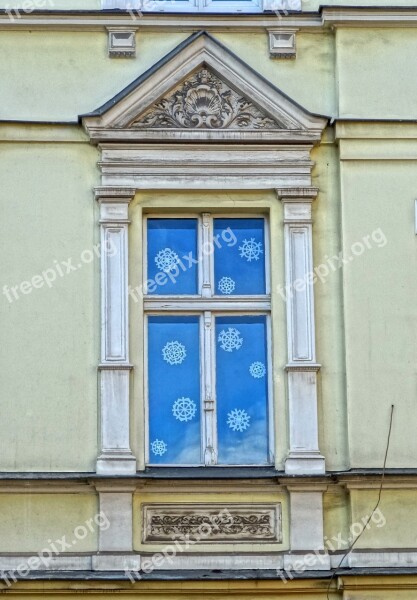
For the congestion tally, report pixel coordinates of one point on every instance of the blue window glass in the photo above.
(242, 390)
(172, 256)
(239, 256)
(174, 390)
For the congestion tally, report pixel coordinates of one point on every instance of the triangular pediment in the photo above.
(202, 91)
(204, 101)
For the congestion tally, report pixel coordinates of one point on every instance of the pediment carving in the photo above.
(203, 101)
(201, 92)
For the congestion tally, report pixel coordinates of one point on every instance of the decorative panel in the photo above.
(212, 523)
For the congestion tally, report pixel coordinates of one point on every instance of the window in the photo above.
(207, 323)
(213, 6)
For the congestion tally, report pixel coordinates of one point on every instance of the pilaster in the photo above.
(116, 457)
(304, 456)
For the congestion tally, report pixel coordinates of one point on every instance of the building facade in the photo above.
(208, 224)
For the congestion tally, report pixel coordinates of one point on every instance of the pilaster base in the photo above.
(116, 464)
(305, 463)
(116, 562)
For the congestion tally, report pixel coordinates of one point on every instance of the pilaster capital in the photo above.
(297, 194)
(114, 194)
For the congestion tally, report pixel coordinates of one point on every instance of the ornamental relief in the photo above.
(204, 102)
(210, 523)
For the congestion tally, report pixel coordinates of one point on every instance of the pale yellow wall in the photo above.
(309, 80)
(329, 309)
(380, 312)
(377, 73)
(49, 347)
(336, 519)
(60, 75)
(394, 525)
(32, 522)
(57, 76)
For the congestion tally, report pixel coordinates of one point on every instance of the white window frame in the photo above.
(207, 306)
(201, 6)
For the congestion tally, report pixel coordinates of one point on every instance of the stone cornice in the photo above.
(327, 18)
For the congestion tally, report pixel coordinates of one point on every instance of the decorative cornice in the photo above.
(325, 19)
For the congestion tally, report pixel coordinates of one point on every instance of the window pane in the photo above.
(174, 390)
(172, 248)
(242, 390)
(239, 256)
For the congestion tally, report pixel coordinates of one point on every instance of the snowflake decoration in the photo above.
(226, 285)
(184, 409)
(230, 340)
(238, 420)
(174, 353)
(257, 370)
(159, 447)
(251, 250)
(166, 260)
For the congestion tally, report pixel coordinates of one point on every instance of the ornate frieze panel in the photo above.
(212, 523)
(203, 101)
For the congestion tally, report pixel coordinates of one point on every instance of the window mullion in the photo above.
(209, 405)
(207, 255)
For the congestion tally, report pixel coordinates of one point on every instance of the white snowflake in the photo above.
(257, 370)
(174, 353)
(159, 447)
(251, 250)
(226, 285)
(230, 340)
(238, 420)
(184, 409)
(166, 260)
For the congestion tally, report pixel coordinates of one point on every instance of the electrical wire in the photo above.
(349, 550)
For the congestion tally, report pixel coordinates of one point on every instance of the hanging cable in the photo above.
(349, 550)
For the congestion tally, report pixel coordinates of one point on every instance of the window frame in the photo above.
(186, 6)
(211, 307)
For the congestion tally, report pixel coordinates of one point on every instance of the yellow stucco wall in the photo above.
(33, 522)
(50, 345)
(395, 523)
(369, 88)
(380, 319)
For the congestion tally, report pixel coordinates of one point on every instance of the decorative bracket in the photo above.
(122, 42)
(282, 43)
